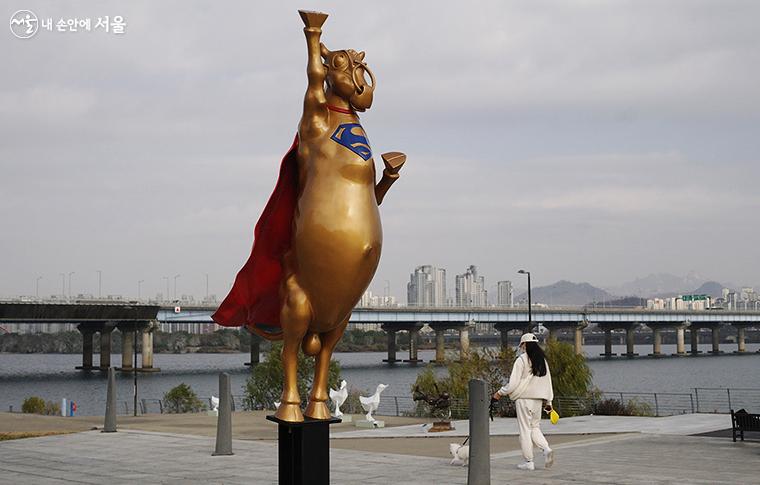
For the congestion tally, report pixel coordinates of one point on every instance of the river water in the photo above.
(52, 376)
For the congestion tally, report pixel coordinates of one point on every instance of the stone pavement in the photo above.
(147, 457)
(685, 424)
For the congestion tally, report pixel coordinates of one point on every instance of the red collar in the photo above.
(341, 110)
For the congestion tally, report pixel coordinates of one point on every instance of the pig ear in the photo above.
(360, 56)
(323, 50)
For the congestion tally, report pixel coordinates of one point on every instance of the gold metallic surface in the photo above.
(337, 234)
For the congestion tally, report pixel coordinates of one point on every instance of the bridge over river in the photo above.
(132, 319)
(505, 320)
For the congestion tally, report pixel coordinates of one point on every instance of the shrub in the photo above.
(182, 399)
(571, 375)
(485, 364)
(616, 407)
(264, 386)
(33, 405)
(37, 405)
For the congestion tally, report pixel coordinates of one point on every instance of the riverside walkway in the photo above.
(638, 454)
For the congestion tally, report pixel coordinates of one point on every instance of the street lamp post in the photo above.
(530, 307)
(175, 285)
(63, 285)
(100, 285)
(70, 273)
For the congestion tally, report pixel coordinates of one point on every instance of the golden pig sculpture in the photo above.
(317, 243)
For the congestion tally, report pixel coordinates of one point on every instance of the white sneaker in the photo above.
(549, 458)
(526, 465)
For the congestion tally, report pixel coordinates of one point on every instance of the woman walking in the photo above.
(530, 387)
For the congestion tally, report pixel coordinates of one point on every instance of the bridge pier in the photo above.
(630, 342)
(147, 347)
(680, 345)
(391, 345)
(464, 342)
(105, 346)
(414, 337)
(578, 337)
(656, 339)
(715, 330)
(255, 349)
(608, 344)
(127, 347)
(740, 340)
(87, 332)
(440, 346)
(504, 328)
(694, 336)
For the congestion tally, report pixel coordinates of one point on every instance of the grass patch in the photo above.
(17, 435)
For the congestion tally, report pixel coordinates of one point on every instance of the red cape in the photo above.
(254, 299)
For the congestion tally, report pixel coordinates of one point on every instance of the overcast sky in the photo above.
(582, 140)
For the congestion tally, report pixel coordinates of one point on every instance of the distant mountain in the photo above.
(567, 293)
(710, 288)
(626, 301)
(660, 284)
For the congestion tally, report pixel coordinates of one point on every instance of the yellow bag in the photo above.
(553, 416)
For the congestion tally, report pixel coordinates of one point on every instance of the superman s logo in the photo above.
(352, 136)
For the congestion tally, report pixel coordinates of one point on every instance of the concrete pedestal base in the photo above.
(681, 354)
(86, 367)
(391, 361)
(212, 412)
(715, 352)
(608, 355)
(630, 356)
(413, 361)
(741, 352)
(439, 426)
(657, 356)
(363, 423)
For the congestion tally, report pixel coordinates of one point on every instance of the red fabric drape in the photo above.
(254, 298)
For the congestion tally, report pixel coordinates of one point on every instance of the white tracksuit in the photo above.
(528, 393)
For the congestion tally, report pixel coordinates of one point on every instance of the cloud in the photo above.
(588, 139)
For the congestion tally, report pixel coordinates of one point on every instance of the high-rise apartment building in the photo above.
(470, 289)
(505, 294)
(426, 287)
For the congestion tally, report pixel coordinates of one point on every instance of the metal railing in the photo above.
(722, 400)
(700, 400)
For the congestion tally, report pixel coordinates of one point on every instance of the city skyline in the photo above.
(569, 140)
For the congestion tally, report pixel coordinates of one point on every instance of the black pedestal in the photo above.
(304, 451)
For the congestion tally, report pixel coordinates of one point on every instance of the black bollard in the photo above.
(110, 422)
(479, 469)
(224, 419)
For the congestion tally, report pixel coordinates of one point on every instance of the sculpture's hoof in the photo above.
(317, 410)
(289, 412)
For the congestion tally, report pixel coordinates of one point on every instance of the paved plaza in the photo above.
(136, 456)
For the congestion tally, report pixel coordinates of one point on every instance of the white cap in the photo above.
(528, 337)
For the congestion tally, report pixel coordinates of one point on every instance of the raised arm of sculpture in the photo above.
(315, 102)
(393, 162)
